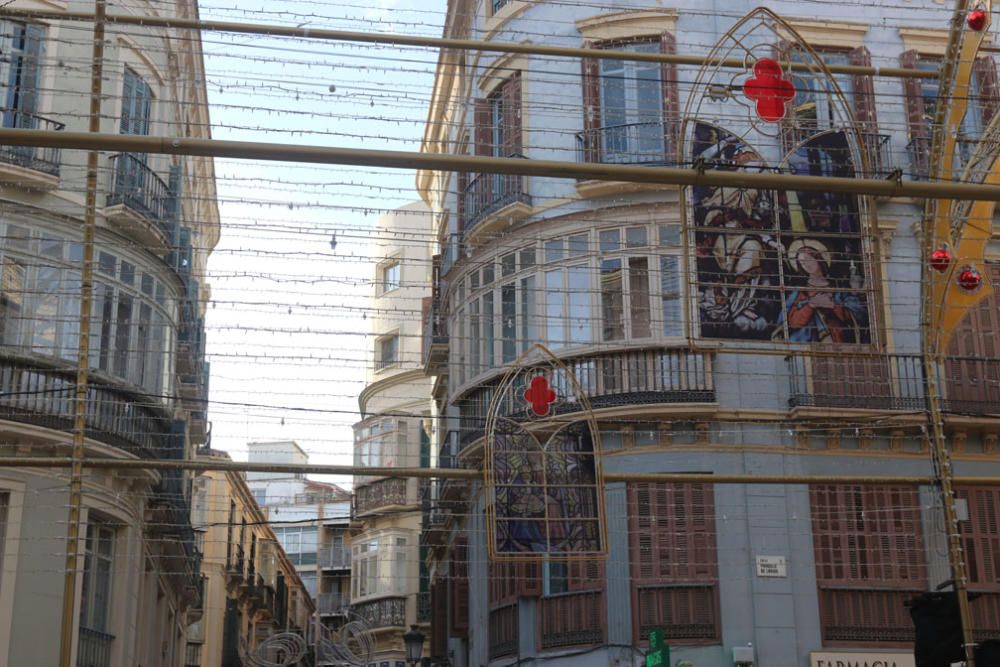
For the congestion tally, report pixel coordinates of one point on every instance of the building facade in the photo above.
(252, 591)
(312, 522)
(712, 330)
(157, 221)
(388, 579)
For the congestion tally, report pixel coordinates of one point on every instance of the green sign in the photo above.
(659, 653)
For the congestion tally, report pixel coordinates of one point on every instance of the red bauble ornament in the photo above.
(976, 20)
(941, 259)
(970, 279)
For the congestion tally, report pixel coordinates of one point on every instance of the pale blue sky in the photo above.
(286, 326)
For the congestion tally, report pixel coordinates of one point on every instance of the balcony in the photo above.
(866, 615)
(971, 385)
(335, 558)
(503, 636)
(43, 397)
(380, 494)
(652, 376)
(494, 200)
(860, 382)
(638, 144)
(29, 166)
(93, 648)
(140, 201)
(435, 336)
(572, 620)
(687, 612)
(383, 613)
(333, 604)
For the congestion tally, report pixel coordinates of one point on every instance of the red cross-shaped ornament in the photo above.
(540, 395)
(769, 89)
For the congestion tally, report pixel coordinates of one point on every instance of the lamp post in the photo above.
(414, 640)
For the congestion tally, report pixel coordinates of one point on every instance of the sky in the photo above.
(287, 324)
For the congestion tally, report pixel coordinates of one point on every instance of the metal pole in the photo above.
(83, 356)
(665, 176)
(439, 42)
(473, 473)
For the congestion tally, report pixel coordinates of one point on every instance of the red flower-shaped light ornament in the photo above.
(940, 259)
(769, 89)
(970, 279)
(976, 19)
(540, 395)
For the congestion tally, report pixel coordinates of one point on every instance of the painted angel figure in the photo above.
(818, 312)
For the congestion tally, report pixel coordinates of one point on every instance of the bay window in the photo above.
(98, 569)
(379, 566)
(379, 443)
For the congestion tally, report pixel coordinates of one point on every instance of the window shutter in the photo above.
(460, 590)
(591, 82)
(586, 575)
(482, 129)
(30, 67)
(439, 620)
(989, 90)
(530, 578)
(461, 185)
(671, 98)
(511, 93)
(864, 93)
(919, 131)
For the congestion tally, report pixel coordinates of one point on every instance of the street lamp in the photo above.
(414, 640)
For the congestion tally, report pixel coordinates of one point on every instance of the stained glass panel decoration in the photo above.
(544, 483)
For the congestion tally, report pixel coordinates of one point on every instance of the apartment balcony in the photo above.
(333, 604)
(857, 382)
(638, 144)
(335, 558)
(379, 495)
(687, 612)
(29, 166)
(93, 649)
(572, 620)
(494, 201)
(435, 336)
(382, 613)
(971, 385)
(139, 202)
(653, 376)
(33, 394)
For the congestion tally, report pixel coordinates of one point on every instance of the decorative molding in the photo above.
(930, 42)
(501, 69)
(626, 25)
(830, 33)
(493, 23)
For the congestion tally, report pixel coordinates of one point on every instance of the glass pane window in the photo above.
(529, 323)
(631, 107)
(508, 328)
(555, 308)
(670, 291)
(388, 352)
(638, 281)
(98, 566)
(612, 302)
(578, 281)
(390, 276)
(813, 105)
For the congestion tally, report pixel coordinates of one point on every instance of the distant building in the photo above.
(311, 520)
(251, 588)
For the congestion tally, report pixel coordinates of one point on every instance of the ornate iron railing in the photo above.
(93, 648)
(649, 143)
(572, 619)
(687, 612)
(488, 193)
(877, 382)
(610, 379)
(333, 603)
(383, 613)
(503, 631)
(866, 615)
(44, 397)
(137, 186)
(45, 160)
(381, 493)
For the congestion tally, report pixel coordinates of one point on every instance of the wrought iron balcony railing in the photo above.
(335, 558)
(876, 382)
(44, 397)
(380, 493)
(138, 187)
(610, 379)
(572, 619)
(45, 160)
(488, 193)
(383, 613)
(503, 635)
(649, 143)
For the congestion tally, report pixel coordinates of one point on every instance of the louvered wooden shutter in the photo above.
(864, 93)
(586, 575)
(512, 131)
(972, 372)
(919, 130)
(672, 533)
(981, 536)
(462, 183)
(483, 135)
(439, 620)
(530, 579)
(671, 96)
(591, 83)
(989, 91)
(460, 590)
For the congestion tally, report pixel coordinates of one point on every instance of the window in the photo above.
(299, 542)
(98, 566)
(22, 45)
(497, 134)
(137, 99)
(260, 496)
(388, 352)
(379, 566)
(630, 108)
(309, 582)
(673, 562)
(869, 551)
(4, 503)
(813, 106)
(390, 276)
(380, 443)
(498, 4)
